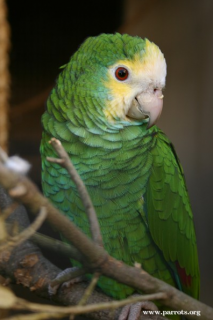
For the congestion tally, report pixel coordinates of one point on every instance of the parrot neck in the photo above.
(97, 147)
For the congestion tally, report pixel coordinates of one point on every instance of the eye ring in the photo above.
(121, 73)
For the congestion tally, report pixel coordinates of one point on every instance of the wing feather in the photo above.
(169, 214)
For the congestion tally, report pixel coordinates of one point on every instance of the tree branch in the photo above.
(56, 245)
(27, 266)
(95, 256)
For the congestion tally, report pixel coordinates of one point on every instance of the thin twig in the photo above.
(7, 212)
(89, 208)
(57, 246)
(56, 160)
(23, 304)
(89, 289)
(52, 244)
(88, 292)
(27, 233)
(3, 216)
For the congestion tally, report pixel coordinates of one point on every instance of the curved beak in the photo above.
(147, 105)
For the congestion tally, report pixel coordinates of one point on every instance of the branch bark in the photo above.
(28, 267)
(95, 256)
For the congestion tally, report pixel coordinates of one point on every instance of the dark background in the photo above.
(44, 34)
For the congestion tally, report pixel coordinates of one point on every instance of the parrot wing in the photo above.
(170, 217)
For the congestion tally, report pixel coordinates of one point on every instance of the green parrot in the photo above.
(103, 109)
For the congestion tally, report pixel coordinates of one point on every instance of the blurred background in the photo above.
(44, 34)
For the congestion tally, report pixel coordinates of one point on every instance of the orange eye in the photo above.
(121, 73)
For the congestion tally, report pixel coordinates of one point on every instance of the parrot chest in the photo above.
(115, 178)
(116, 181)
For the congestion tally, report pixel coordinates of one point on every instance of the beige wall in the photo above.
(184, 32)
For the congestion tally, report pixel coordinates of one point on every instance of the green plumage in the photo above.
(132, 173)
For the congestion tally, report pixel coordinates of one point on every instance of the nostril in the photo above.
(158, 93)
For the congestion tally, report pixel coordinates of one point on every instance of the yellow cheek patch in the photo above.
(115, 108)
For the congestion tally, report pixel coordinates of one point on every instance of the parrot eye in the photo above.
(121, 73)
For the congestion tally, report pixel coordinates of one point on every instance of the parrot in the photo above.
(103, 109)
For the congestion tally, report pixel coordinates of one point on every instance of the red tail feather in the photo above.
(185, 279)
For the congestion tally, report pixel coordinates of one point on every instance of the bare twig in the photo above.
(88, 292)
(89, 289)
(3, 216)
(6, 212)
(56, 160)
(27, 233)
(56, 245)
(49, 243)
(65, 162)
(20, 304)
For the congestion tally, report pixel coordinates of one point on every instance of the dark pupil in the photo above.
(122, 73)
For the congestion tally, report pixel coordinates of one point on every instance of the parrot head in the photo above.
(127, 74)
(136, 84)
